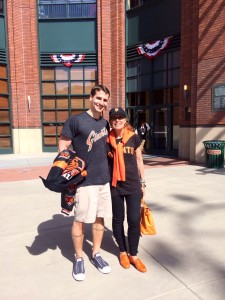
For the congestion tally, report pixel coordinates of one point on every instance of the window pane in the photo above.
(77, 103)
(48, 103)
(90, 73)
(132, 99)
(4, 129)
(3, 73)
(159, 96)
(159, 80)
(170, 78)
(47, 74)
(176, 77)
(77, 87)
(4, 103)
(132, 68)
(3, 86)
(5, 142)
(62, 103)
(4, 116)
(145, 81)
(61, 73)
(75, 10)
(132, 84)
(49, 116)
(59, 129)
(76, 73)
(82, 10)
(145, 66)
(174, 59)
(57, 11)
(160, 63)
(88, 87)
(142, 99)
(76, 112)
(173, 77)
(48, 88)
(49, 129)
(62, 116)
(62, 88)
(87, 103)
(50, 141)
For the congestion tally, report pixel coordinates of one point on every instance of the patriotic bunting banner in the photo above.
(152, 49)
(67, 59)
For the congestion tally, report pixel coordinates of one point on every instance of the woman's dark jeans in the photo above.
(133, 219)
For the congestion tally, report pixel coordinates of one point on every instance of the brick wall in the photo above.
(23, 63)
(211, 58)
(202, 58)
(23, 57)
(111, 49)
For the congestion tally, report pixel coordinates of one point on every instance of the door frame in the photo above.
(169, 151)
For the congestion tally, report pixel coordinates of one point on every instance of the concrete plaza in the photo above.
(185, 260)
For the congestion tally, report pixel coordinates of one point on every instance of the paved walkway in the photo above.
(185, 260)
(19, 167)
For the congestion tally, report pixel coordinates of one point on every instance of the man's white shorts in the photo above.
(91, 202)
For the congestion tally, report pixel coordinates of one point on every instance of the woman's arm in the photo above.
(140, 165)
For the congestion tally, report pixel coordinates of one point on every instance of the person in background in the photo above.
(142, 132)
(87, 133)
(127, 185)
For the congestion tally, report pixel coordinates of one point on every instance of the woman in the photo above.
(127, 184)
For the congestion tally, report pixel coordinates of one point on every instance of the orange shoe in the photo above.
(124, 260)
(138, 264)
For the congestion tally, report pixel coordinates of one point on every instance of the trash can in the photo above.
(214, 154)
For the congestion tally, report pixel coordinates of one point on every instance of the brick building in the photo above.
(180, 91)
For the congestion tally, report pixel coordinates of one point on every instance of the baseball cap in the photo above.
(117, 111)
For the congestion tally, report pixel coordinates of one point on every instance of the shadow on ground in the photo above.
(56, 233)
(206, 171)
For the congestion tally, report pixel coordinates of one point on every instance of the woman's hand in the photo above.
(143, 186)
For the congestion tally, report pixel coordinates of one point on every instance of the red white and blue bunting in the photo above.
(67, 59)
(152, 49)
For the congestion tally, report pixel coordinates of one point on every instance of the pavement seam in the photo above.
(171, 273)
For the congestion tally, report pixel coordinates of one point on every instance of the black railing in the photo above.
(67, 10)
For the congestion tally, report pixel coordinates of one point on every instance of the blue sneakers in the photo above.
(100, 264)
(78, 269)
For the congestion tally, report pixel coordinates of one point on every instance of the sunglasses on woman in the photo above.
(118, 118)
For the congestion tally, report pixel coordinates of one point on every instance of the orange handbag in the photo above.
(147, 225)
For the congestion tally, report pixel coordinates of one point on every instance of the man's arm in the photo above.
(64, 143)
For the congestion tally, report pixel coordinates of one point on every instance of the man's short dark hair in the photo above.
(98, 88)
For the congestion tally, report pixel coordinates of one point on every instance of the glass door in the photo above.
(159, 129)
(164, 130)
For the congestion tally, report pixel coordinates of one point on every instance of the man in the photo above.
(87, 132)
